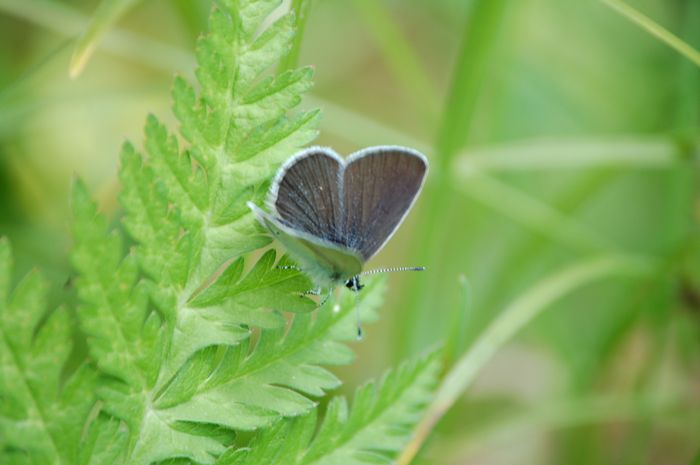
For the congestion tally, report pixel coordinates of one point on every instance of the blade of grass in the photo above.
(401, 59)
(481, 30)
(531, 213)
(15, 99)
(573, 154)
(649, 295)
(562, 153)
(513, 318)
(679, 226)
(461, 319)
(498, 195)
(656, 299)
(301, 9)
(108, 12)
(526, 252)
(482, 27)
(555, 414)
(66, 21)
(655, 29)
(688, 110)
(636, 152)
(15, 88)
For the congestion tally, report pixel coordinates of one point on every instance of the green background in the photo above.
(558, 132)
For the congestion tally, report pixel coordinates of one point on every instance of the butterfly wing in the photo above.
(306, 194)
(380, 186)
(327, 264)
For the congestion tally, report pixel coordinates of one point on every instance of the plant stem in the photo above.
(66, 21)
(108, 12)
(655, 29)
(481, 30)
(511, 320)
(402, 61)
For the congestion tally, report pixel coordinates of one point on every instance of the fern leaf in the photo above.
(276, 376)
(372, 432)
(41, 415)
(126, 339)
(186, 206)
(239, 387)
(104, 442)
(170, 322)
(243, 386)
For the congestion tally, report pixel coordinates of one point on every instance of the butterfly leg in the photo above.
(289, 267)
(325, 298)
(317, 292)
(355, 286)
(358, 320)
(311, 292)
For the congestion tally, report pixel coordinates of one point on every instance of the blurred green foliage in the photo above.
(558, 131)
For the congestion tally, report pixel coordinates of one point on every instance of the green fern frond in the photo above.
(372, 432)
(251, 385)
(170, 323)
(237, 386)
(42, 415)
(186, 206)
(188, 333)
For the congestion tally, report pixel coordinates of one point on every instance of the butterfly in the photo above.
(333, 215)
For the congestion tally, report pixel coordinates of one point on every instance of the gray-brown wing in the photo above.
(306, 193)
(380, 186)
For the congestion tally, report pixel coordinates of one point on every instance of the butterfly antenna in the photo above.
(393, 270)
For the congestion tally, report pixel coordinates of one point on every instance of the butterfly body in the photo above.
(332, 215)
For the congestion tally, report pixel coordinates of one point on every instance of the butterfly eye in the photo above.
(354, 284)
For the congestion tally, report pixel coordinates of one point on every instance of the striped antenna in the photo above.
(393, 270)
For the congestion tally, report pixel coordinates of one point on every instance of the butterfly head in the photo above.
(354, 284)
